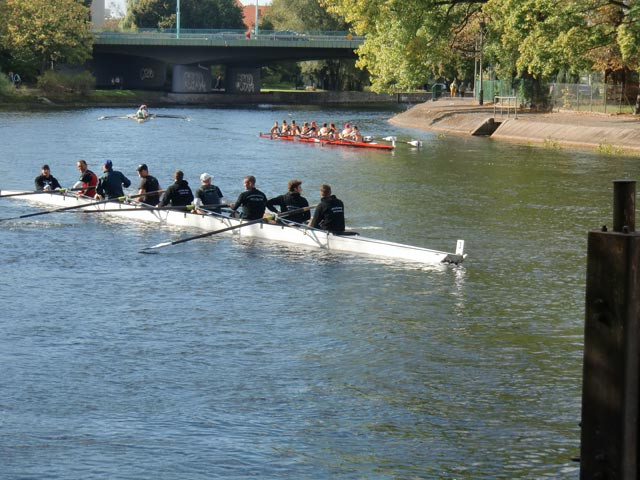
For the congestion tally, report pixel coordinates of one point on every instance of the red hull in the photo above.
(324, 141)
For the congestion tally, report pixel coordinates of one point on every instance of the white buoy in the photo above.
(415, 143)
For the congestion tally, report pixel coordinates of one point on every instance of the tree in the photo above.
(38, 33)
(409, 41)
(211, 14)
(310, 15)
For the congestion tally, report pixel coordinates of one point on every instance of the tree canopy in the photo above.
(310, 15)
(410, 41)
(37, 33)
(211, 14)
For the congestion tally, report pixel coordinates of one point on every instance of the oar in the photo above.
(221, 230)
(160, 115)
(73, 207)
(60, 191)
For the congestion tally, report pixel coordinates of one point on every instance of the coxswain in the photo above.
(275, 130)
(179, 193)
(111, 182)
(252, 200)
(207, 195)
(292, 200)
(87, 182)
(329, 214)
(45, 181)
(149, 186)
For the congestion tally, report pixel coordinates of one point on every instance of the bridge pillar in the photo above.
(242, 80)
(191, 79)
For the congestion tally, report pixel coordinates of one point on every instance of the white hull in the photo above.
(312, 238)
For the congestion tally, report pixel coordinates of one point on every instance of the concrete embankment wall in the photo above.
(298, 98)
(570, 129)
(582, 136)
(464, 120)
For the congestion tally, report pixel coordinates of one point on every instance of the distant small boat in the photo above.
(326, 141)
(139, 119)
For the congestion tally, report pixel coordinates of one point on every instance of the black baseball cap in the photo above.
(142, 166)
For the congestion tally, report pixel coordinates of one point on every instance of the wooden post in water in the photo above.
(610, 425)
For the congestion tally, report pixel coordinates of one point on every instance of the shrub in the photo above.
(6, 87)
(58, 83)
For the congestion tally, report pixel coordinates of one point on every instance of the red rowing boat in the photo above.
(326, 141)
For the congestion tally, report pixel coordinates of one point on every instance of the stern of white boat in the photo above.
(458, 257)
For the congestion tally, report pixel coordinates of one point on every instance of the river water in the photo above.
(225, 358)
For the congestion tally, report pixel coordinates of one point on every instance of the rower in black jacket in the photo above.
(252, 200)
(179, 193)
(329, 214)
(292, 200)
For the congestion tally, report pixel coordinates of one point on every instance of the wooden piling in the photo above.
(610, 424)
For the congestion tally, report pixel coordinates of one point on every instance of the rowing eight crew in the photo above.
(311, 130)
(328, 215)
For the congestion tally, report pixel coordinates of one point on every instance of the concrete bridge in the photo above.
(140, 60)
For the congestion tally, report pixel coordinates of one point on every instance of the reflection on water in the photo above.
(232, 357)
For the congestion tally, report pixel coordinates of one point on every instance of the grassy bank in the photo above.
(28, 97)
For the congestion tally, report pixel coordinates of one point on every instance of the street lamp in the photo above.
(178, 19)
(482, 25)
(256, 26)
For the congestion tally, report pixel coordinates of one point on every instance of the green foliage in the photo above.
(302, 15)
(410, 41)
(610, 150)
(38, 33)
(212, 14)
(6, 87)
(51, 82)
(310, 15)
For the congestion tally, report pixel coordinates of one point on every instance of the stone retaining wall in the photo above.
(298, 98)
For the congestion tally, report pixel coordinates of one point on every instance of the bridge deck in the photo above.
(216, 38)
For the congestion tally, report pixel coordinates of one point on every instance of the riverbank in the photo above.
(25, 98)
(605, 133)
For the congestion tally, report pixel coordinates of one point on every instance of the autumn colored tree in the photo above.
(40, 33)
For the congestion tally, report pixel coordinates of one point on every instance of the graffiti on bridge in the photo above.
(244, 83)
(146, 73)
(194, 82)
